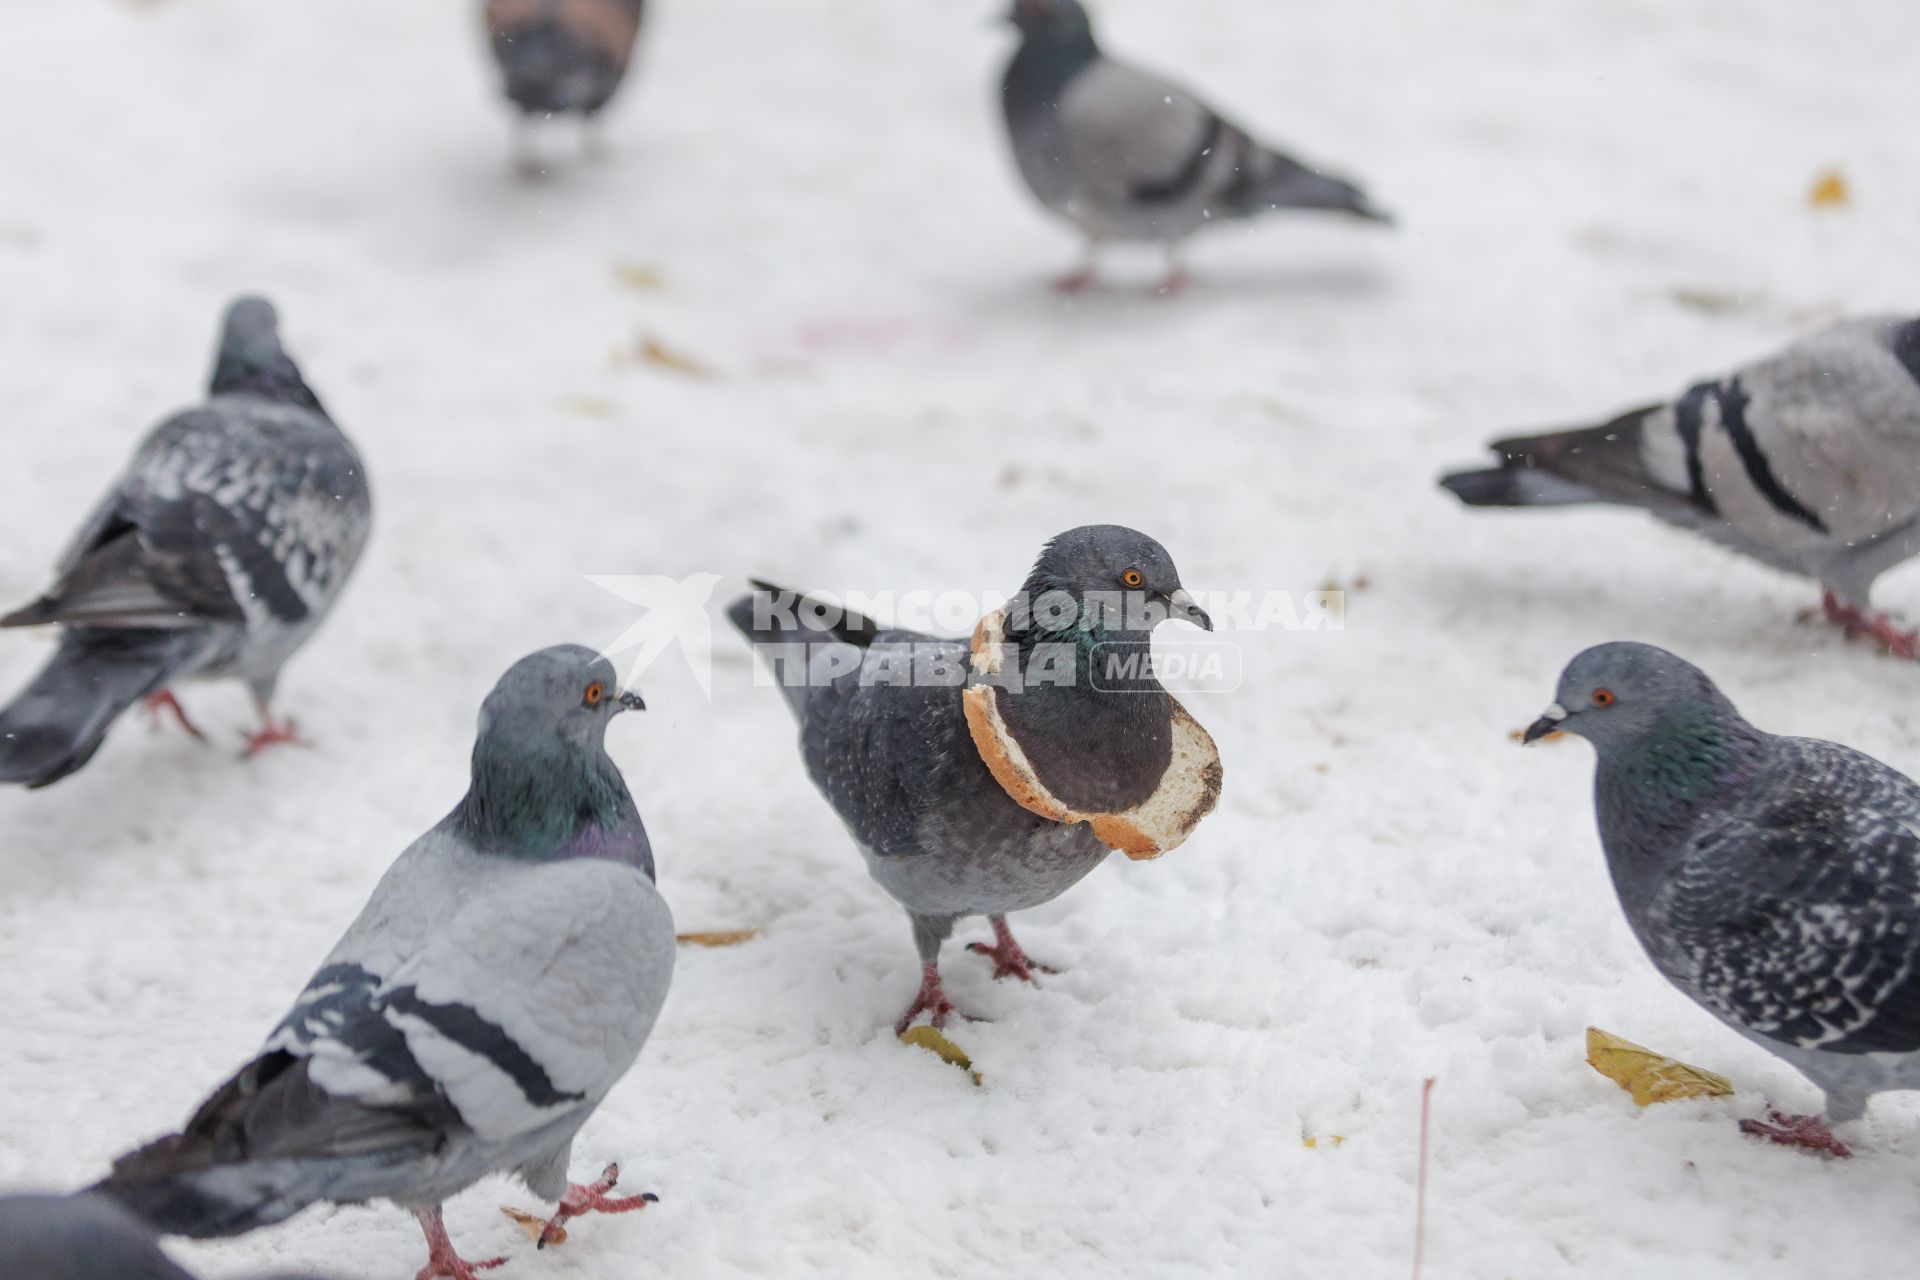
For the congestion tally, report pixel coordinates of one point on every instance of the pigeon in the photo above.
(499, 982)
(897, 762)
(83, 1237)
(1125, 155)
(1774, 880)
(1808, 461)
(215, 555)
(560, 57)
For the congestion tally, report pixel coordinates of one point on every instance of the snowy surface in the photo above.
(1390, 889)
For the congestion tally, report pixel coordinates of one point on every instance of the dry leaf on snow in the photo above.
(1830, 191)
(717, 937)
(924, 1037)
(1649, 1076)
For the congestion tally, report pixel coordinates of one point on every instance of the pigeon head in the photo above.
(543, 785)
(1623, 695)
(252, 361)
(1062, 22)
(565, 695)
(1108, 578)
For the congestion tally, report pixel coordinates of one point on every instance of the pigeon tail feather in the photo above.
(1280, 183)
(1515, 485)
(1558, 468)
(60, 719)
(791, 627)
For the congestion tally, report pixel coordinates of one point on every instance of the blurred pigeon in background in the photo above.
(499, 982)
(81, 1237)
(1774, 880)
(215, 556)
(897, 761)
(560, 57)
(1125, 155)
(1808, 461)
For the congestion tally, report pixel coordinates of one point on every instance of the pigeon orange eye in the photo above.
(595, 692)
(1602, 698)
(1133, 577)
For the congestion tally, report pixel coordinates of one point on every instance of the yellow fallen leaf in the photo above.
(1648, 1076)
(638, 275)
(717, 937)
(1313, 1144)
(930, 1039)
(589, 406)
(1712, 300)
(1830, 191)
(533, 1224)
(656, 352)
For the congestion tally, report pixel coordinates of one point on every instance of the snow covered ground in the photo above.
(1600, 200)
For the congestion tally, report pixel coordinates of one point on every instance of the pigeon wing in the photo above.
(1798, 914)
(1134, 138)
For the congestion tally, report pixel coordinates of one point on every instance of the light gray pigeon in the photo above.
(499, 982)
(1808, 461)
(560, 57)
(1125, 155)
(81, 1237)
(897, 761)
(1775, 880)
(215, 556)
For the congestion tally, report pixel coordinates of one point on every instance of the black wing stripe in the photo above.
(1182, 184)
(1733, 416)
(1686, 418)
(463, 1025)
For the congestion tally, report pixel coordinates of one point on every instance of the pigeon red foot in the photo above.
(1009, 960)
(1079, 280)
(1877, 627)
(591, 1197)
(443, 1261)
(165, 701)
(932, 999)
(1810, 1132)
(273, 733)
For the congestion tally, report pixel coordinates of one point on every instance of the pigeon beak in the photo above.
(1549, 722)
(1181, 605)
(630, 700)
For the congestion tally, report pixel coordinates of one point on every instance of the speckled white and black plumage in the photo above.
(81, 1237)
(501, 979)
(1808, 461)
(897, 762)
(1125, 155)
(1775, 880)
(216, 554)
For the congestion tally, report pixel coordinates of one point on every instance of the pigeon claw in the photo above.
(1810, 1132)
(590, 1197)
(165, 701)
(273, 733)
(1009, 960)
(452, 1266)
(1877, 627)
(443, 1260)
(932, 999)
(1078, 280)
